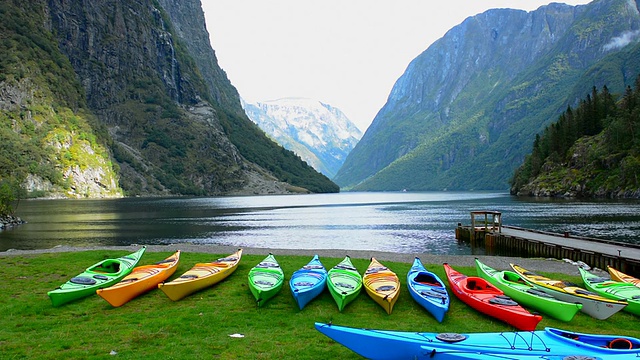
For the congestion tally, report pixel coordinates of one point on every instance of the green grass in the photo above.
(152, 326)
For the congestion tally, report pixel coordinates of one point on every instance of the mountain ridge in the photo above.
(454, 118)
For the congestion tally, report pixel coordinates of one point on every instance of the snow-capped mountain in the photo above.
(319, 133)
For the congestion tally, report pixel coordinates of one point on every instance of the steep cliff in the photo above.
(165, 110)
(463, 114)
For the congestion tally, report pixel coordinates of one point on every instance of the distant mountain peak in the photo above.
(319, 133)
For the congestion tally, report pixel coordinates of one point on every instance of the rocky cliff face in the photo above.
(461, 114)
(319, 133)
(163, 104)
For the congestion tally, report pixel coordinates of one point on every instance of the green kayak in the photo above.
(101, 275)
(515, 287)
(613, 290)
(344, 283)
(266, 279)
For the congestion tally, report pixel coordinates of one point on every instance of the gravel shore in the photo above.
(498, 262)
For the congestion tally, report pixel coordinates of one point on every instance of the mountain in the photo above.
(319, 133)
(111, 97)
(466, 110)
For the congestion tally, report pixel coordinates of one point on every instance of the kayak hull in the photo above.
(428, 290)
(201, 276)
(344, 283)
(308, 282)
(486, 298)
(512, 285)
(382, 285)
(266, 279)
(141, 280)
(102, 274)
(549, 344)
(593, 305)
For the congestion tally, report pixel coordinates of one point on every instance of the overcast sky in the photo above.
(346, 53)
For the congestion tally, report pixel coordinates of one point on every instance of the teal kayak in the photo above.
(547, 344)
(428, 290)
(344, 283)
(613, 290)
(103, 274)
(514, 286)
(308, 282)
(266, 279)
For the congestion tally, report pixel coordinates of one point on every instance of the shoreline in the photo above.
(498, 262)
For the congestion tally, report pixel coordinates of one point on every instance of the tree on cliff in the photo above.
(595, 148)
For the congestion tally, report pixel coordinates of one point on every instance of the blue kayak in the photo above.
(547, 344)
(308, 282)
(428, 290)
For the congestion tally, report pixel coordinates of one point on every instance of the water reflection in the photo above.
(399, 222)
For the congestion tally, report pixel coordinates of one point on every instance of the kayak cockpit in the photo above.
(599, 341)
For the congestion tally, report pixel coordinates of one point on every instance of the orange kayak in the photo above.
(617, 275)
(140, 280)
(201, 276)
(382, 285)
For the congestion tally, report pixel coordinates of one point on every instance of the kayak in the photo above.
(613, 290)
(102, 274)
(593, 304)
(514, 286)
(428, 290)
(201, 276)
(549, 344)
(344, 283)
(140, 280)
(488, 299)
(381, 284)
(266, 279)
(622, 277)
(308, 282)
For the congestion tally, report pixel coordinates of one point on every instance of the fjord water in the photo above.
(405, 222)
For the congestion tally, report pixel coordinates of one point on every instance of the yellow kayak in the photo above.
(201, 276)
(622, 277)
(382, 285)
(592, 304)
(140, 280)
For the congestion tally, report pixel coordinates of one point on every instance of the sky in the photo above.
(346, 53)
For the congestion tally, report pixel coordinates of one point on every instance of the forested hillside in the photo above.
(464, 113)
(590, 151)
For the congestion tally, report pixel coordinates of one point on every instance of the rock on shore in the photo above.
(7, 221)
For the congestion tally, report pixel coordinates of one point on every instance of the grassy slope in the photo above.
(152, 326)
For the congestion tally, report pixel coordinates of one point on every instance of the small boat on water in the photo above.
(102, 274)
(201, 276)
(618, 275)
(140, 280)
(266, 279)
(344, 283)
(382, 285)
(428, 290)
(613, 290)
(549, 344)
(593, 304)
(308, 282)
(514, 286)
(488, 299)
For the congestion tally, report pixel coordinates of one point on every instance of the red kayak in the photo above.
(486, 298)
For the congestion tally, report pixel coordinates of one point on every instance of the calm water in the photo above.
(399, 222)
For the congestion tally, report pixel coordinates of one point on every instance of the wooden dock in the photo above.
(498, 239)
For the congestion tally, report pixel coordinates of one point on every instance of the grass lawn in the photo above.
(198, 326)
